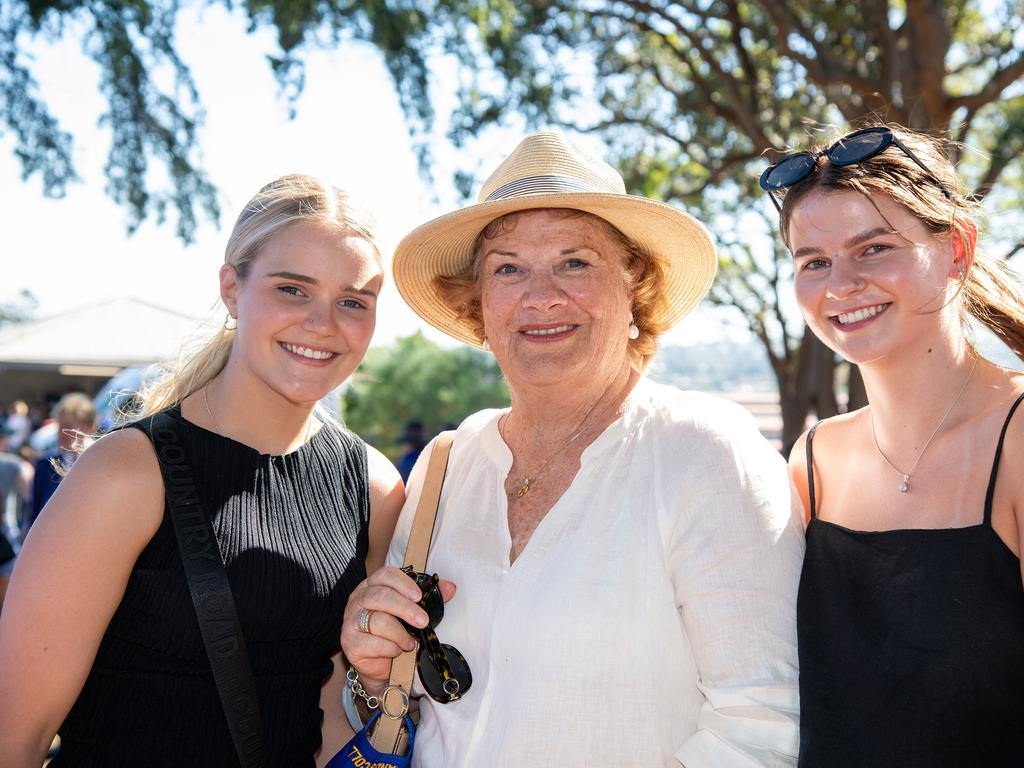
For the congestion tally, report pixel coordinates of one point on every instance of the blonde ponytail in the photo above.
(190, 374)
(282, 202)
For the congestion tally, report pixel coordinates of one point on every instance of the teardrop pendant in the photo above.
(905, 485)
(525, 489)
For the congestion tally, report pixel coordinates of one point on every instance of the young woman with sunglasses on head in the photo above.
(911, 605)
(99, 640)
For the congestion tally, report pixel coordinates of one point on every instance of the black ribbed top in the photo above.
(292, 531)
(911, 645)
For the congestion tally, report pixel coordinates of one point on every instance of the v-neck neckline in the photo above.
(497, 449)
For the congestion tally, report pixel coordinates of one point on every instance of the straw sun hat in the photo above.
(546, 170)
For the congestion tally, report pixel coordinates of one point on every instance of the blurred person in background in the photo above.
(19, 423)
(7, 558)
(15, 487)
(76, 422)
(412, 441)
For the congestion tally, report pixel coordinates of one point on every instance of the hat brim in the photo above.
(442, 246)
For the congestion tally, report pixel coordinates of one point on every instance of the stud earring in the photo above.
(486, 345)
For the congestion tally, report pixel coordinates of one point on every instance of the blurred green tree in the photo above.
(417, 379)
(155, 119)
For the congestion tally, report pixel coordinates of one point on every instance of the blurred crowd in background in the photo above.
(37, 446)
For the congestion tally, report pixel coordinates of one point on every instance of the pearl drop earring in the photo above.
(634, 332)
(486, 345)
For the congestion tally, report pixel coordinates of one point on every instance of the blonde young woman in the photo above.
(911, 608)
(99, 641)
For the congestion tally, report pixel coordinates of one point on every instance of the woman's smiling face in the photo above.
(555, 299)
(870, 276)
(306, 309)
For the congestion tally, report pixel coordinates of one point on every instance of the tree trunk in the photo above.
(858, 395)
(822, 373)
(805, 386)
(794, 418)
(793, 400)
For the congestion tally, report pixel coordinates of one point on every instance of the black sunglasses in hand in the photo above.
(444, 671)
(850, 149)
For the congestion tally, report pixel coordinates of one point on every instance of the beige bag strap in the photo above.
(389, 735)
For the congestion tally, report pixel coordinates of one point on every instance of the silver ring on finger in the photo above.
(363, 624)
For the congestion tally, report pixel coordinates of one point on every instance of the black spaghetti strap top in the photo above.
(911, 644)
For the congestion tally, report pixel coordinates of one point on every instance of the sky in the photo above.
(348, 128)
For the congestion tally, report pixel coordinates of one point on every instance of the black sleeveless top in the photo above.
(911, 645)
(292, 531)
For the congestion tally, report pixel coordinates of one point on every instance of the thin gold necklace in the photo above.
(530, 478)
(904, 486)
(206, 403)
(217, 427)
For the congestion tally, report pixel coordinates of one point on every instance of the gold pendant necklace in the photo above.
(543, 466)
(525, 487)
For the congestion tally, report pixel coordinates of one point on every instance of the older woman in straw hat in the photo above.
(626, 555)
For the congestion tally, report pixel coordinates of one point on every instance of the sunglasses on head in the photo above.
(850, 149)
(444, 671)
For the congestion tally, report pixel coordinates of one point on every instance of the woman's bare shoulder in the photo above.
(826, 436)
(117, 478)
(836, 430)
(124, 449)
(1013, 445)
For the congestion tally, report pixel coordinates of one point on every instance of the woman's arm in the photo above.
(70, 577)
(736, 555)
(798, 474)
(387, 493)
(1013, 452)
(335, 730)
(391, 595)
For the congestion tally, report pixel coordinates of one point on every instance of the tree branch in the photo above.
(996, 85)
(822, 68)
(879, 10)
(736, 26)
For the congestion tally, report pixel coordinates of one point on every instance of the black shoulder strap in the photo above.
(810, 470)
(990, 493)
(211, 594)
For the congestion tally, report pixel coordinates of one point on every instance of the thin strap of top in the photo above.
(995, 463)
(810, 470)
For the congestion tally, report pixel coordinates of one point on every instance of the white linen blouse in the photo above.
(650, 619)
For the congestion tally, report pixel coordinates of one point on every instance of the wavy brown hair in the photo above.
(990, 292)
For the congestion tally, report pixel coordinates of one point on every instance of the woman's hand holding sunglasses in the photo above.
(389, 597)
(444, 671)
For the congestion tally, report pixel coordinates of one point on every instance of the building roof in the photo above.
(117, 332)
